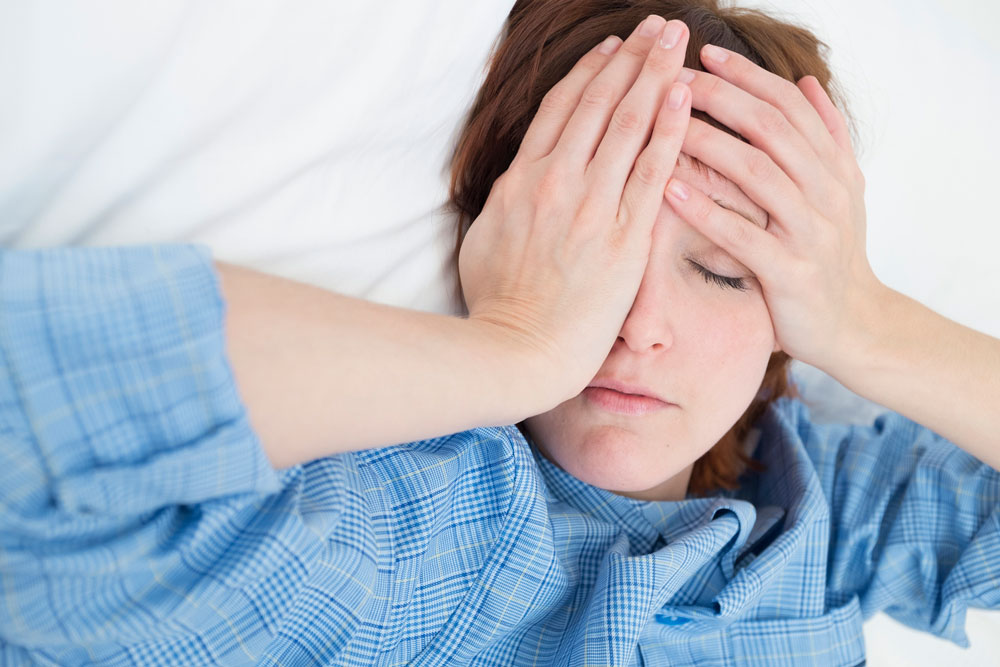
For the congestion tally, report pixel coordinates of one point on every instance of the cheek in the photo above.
(733, 343)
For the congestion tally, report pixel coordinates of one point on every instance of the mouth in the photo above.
(626, 388)
(619, 398)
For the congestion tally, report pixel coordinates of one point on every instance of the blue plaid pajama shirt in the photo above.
(141, 524)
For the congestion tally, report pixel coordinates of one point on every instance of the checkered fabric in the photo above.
(141, 524)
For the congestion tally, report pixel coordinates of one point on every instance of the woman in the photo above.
(144, 523)
(522, 71)
(525, 68)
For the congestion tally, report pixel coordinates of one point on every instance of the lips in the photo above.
(626, 388)
(610, 400)
(623, 398)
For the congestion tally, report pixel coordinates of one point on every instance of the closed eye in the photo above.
(721, 281)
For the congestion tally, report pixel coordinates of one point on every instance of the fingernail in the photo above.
(609, 45)
(671, 34)
(651, 26)
(685, 75)
(678, 189)
(677, 93)
(713, 52)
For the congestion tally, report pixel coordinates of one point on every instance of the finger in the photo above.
(777, 91)
(587, 125)
(832, 119)
(630, 128)
(746, 242)
(765, 127)
(753, 171)
(643, 194)
(559, 102)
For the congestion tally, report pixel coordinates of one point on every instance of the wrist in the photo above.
(526, 374)
(910, 357)
(870, 346)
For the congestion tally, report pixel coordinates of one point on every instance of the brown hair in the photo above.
(541, 41)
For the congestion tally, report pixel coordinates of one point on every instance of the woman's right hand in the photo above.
(555, 258)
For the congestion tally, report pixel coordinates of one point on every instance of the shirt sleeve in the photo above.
(116, 394)
(915, 523)
(132, 487)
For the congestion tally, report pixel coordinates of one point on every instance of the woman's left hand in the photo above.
(799, 166)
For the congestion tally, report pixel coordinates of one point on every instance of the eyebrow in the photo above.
(729, 207)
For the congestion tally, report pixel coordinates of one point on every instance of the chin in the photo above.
(617, 459)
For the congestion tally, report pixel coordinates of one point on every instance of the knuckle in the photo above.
(628, 121)
(506, 183)
(517, 165)
(701, 209)
(634, 48)
(858, 177)
(713, 84)
(696, 129)
(660, 62)
(649, 170)
(738, 234)
(598, 94)
(770, 121)
(548, 183)
(557, 100)
(593, 62)
(759, 165)
(829, 155)
(790, 96)
(509, 188)
(501, 183)
(629, 207)
(514, 178)
(671, 128)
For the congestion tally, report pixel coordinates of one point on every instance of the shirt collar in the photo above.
(648, 524)
(778, 507)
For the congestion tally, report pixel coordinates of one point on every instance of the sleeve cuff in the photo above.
(118, 374)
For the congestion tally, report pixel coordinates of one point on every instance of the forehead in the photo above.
(719, 188)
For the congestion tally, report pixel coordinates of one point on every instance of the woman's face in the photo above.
(700, 346)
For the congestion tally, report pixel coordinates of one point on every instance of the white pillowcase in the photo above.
(306, 139)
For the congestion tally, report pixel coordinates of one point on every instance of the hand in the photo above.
(555, 259)
(800, 167)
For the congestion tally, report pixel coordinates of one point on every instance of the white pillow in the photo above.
(306, 139)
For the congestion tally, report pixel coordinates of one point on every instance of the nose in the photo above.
(647, 327)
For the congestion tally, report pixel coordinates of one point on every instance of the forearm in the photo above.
(930, 369)
(321, 373)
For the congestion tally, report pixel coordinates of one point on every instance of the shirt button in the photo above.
(671, 619)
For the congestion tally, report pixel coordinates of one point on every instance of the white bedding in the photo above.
(309, 139)
(305, 139)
